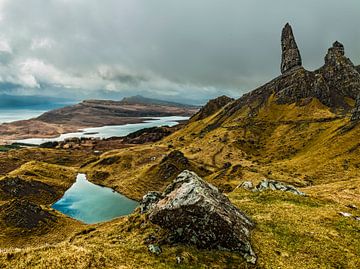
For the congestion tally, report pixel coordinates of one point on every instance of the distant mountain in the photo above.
(31, 101)
(139, 99)
(107, 112)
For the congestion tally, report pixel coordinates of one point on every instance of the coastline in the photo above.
(56, 132)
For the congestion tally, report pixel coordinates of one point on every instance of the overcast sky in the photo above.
(183, 49)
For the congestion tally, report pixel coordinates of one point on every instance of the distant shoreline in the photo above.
(87, 132)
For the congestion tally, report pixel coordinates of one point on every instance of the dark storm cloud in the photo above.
(191, 48)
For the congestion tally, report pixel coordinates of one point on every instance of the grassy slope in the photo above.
(307, 146)
(58, 177)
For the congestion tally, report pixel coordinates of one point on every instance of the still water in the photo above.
(109, 131)
(91, 203)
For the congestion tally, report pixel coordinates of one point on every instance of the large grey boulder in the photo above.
(196, 213)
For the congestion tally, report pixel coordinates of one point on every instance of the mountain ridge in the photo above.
(300, 129)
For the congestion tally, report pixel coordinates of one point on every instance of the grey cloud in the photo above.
(195, 49)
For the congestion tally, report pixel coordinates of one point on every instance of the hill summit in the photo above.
(336, 84)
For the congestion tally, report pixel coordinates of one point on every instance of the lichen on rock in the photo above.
(291, 57)
(196, 213)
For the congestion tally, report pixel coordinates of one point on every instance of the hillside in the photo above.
(138, 99)
(302, 128)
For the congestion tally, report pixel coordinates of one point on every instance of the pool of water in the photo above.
(110, 131)
(91, 203)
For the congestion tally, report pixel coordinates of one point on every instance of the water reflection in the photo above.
(91, 203)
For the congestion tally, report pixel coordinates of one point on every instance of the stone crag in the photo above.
(334, 84)
(213, 106)
(291, 57)
(196, 213)
(356, 112)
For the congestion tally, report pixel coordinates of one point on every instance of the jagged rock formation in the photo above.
(334, 84)
(211, 107)
(195, 212)
(21, 213)
(356, 112)
(339, 73)
(357, 68)
(291, 57)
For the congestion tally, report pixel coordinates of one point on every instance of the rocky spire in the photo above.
(334, 53)
(291, 57)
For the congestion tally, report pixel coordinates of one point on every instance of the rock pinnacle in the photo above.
(291, 57)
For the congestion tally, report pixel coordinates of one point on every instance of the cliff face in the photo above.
(336, 84)
(340, 74)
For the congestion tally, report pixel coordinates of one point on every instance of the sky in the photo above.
(183, 50)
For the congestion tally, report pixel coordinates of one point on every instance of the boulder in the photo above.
(291, 57)
(247, 185)
(149, 200)
(196, 213)
(274, 185)
(155, 249)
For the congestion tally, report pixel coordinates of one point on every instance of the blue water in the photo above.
(27, 112)
(91, 203)
(110, 131)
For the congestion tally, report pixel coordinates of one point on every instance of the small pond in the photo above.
(91, 203)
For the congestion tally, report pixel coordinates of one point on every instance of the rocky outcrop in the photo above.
(195, 212)
(291, 57)
(173, 164)
(356, 112)
(274, 185)
(340, 75)
(147, 135)
(32, 190)
(21, 213)
(333, 85)
(211, 107)
(267, 184)
(357, 68)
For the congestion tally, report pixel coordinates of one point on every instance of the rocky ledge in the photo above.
(356, 112)
(21, 213)
(211, 107)
(196, 213)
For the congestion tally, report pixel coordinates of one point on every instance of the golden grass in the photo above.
(304, 145)
(51, 174)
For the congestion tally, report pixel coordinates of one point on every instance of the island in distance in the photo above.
(92, 113)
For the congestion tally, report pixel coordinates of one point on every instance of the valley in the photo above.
(92, 113)
(300, 129)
